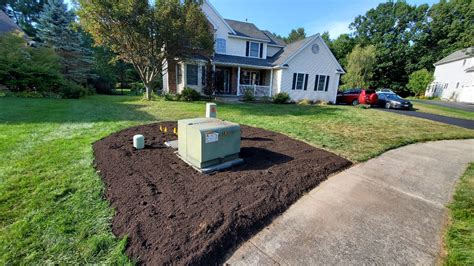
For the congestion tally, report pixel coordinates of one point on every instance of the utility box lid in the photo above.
(204, 142)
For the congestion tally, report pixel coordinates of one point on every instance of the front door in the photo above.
(223, 80)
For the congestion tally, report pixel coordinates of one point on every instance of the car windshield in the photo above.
(392, 96)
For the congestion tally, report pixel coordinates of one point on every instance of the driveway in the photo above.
(438, 118)
(388, 210)
(461, 106)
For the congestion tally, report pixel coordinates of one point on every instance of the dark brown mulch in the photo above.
(175, 215)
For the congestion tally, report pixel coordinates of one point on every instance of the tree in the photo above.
(392, 27)
(25, 13)
(419, 81)
(23, 68)
(295, 35)
(147, 35)
(451, 28)
(55, 30)
(360, 67)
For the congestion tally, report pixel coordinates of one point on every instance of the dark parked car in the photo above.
(350, 96)
(391, 100)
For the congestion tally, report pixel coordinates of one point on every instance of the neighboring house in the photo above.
(247, 58)
(454, 77)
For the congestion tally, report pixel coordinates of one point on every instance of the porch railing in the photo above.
(258, 90)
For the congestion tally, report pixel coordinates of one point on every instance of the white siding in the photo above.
(452, 82)
(272, 50)
(306, 62)
(198, 87)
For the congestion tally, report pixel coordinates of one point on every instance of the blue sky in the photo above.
(316, 16)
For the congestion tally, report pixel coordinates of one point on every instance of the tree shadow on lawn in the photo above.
(87, 110)
(280, 109)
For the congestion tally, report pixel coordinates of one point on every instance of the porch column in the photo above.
(271, 82)
(238, 81)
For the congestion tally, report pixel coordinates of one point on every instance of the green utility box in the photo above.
(206, 142)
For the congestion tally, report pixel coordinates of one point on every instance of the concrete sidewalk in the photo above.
(389, 210)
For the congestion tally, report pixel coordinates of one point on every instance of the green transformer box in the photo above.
(206, 142)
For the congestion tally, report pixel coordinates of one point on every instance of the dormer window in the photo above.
(254, 49)
(220, 45)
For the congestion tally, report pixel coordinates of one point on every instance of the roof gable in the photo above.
(458, 55)
(247, 30)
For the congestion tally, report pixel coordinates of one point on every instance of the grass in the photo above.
(51, 204)
(460, 235)
(441, 110)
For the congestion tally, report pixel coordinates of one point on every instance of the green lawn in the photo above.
(460, 235)
(441, 110)
(51, 204)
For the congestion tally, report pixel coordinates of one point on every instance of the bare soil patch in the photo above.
(174, 215)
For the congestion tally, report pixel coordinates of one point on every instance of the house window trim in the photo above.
(250, 49)
(325, 86)
(296, 81)
(224, 42)
(258, 75)
(187, 74)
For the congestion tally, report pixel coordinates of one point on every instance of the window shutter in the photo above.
(294, 81)
(316, 80)
(306, 82)
(327, 83)
(261, 50)
(247, 49)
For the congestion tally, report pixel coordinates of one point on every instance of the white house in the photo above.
(247, 58)
(454, 77)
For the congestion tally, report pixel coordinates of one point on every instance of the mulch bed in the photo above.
(174, 215)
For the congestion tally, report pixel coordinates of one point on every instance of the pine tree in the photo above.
(55, 29)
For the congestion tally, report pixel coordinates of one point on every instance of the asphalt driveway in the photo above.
(461, 106)
(465, 123)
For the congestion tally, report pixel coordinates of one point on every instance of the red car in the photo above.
(350, 96)
(356, 96)
(368, 97)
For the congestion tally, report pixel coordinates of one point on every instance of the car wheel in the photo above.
(355, 102)
(387, 106)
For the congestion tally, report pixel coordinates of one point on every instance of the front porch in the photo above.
(236, 81)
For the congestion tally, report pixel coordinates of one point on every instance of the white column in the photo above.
(271, 82)
(185, 80)
(238, 81)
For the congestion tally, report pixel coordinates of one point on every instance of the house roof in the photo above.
(6, 24)
(242, 61)
(458, 55)
(274, 39)
(289, 50)
(248, 30)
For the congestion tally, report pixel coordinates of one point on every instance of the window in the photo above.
(220, 45)
(321, 83)
(300, 81)
(250, 77)
(191, 74)
(179, 74)
(254, 50)
(203, 75)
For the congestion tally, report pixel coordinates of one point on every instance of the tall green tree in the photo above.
(360, 67)
(295, 35)
(146, 35)
(341, 47)
(392, 28)
(451, 28)
(56, 30)
(24, 12)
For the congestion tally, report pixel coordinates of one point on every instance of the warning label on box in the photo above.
(212, 137)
